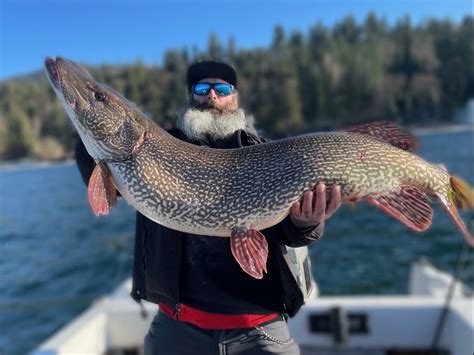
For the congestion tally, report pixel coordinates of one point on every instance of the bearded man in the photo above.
(207, 303)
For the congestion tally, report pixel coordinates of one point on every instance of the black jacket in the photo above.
(173, 267)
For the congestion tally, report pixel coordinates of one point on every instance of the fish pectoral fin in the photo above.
(101, 190)
(407, 205)
(250, 250)
(388, 132)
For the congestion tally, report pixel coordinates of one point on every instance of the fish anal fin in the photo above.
(388, 132)
(101, 190)
(406, 205)
(250, 250)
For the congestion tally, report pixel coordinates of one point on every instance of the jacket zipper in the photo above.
(176, 310)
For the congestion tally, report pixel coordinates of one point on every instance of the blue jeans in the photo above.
(170, 337)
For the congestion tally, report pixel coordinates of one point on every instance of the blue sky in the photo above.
(105, 31)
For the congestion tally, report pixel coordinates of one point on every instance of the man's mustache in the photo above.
(209, 104)
(206, 104)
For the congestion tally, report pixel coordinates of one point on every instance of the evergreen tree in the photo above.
(406, 65)
(321, 78)
(214, 48)
(20, 138)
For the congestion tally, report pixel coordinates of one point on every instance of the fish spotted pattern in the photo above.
(238, 192)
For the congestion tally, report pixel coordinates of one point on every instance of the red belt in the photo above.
(207, 320)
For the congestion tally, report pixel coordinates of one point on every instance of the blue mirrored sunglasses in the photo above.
(221, 89)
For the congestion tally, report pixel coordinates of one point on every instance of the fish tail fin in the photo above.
(462, 193)
(458, 195)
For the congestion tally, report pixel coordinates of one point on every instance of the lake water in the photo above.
(56, 257)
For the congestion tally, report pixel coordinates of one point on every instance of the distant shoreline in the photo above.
(418, 131)
(25, 164)
(453, 128)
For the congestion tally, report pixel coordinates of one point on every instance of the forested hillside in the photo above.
(302, 81)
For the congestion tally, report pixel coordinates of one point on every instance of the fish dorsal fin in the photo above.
(388, 132)
(101, 190)
(407, 205)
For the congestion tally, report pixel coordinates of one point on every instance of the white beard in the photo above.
(199, 125)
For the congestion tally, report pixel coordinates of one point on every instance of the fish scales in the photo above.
(254, 185)
(237, 192)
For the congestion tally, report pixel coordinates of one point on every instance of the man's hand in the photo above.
(313, 209)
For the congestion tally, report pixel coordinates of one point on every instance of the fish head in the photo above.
(110, 126)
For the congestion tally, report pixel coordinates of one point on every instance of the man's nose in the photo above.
(212, 94)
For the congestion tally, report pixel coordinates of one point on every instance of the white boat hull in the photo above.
(368, 325)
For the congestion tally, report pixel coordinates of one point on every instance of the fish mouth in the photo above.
(54, 69)
(51, 66)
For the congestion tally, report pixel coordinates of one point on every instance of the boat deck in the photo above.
(350, 325)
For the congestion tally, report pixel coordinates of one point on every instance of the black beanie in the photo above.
(210, 69)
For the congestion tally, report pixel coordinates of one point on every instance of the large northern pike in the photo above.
(237, 192)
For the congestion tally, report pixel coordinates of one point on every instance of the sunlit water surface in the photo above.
(56, 257)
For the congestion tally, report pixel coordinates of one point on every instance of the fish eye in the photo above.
(99, 96)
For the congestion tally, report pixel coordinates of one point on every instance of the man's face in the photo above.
(214, 101)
